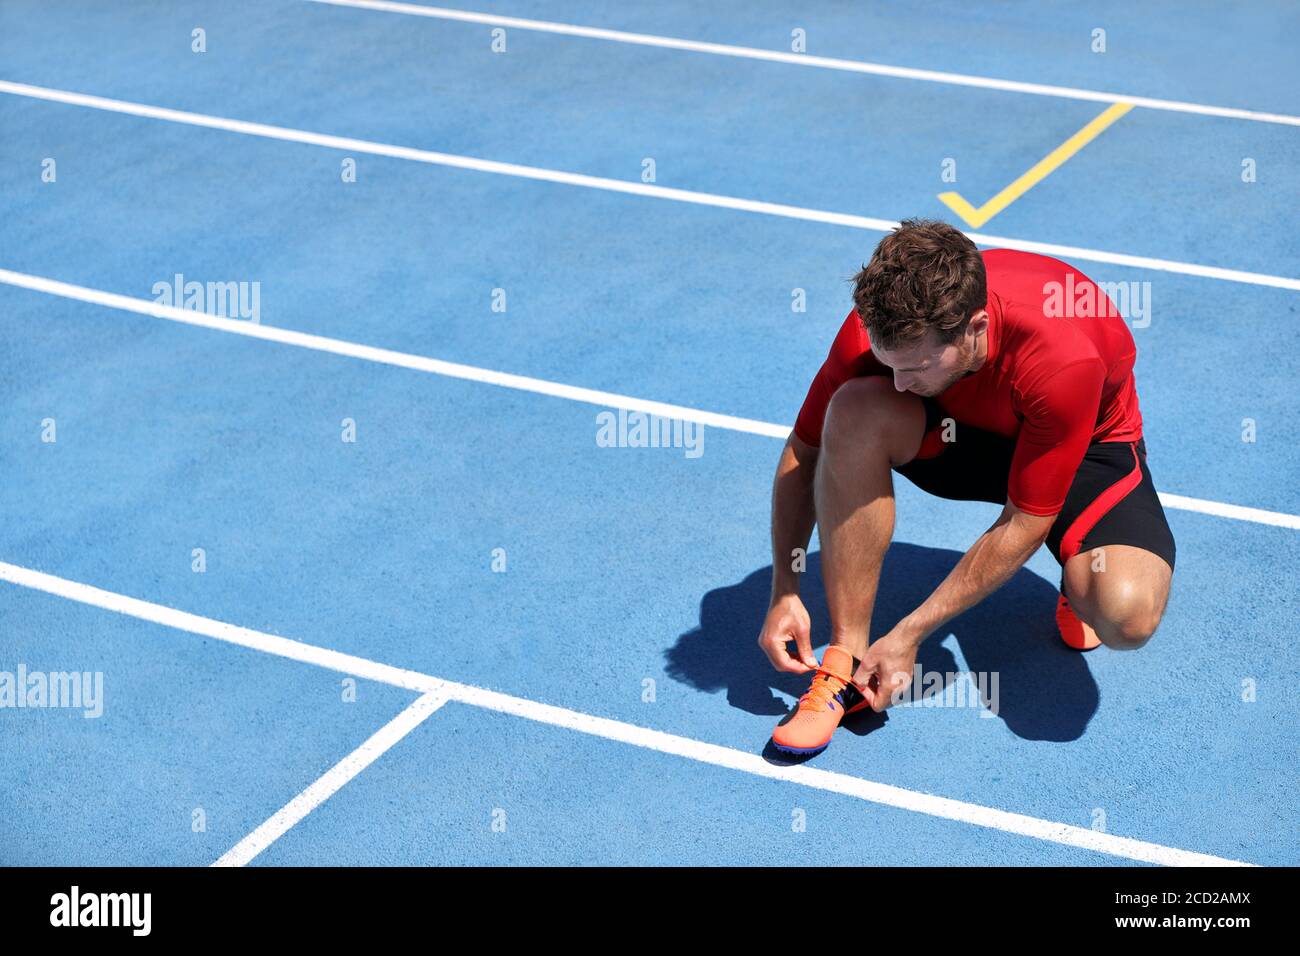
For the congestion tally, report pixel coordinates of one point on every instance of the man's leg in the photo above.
(870, 427)
(1120, 591)
(1117, 550)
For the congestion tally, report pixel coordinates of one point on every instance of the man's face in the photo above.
(929, 367)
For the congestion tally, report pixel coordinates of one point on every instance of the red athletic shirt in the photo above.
(1057, 376)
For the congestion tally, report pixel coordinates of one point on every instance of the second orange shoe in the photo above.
(1072, 630)
(809, 727)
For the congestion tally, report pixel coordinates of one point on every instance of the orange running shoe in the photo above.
(1073, 631)
(808, 728)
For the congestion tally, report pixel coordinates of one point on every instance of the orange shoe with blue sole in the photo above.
(833, 695)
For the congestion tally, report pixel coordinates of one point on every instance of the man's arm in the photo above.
(793, 517)
(990, 563)
(1059, 406)
(793, 513)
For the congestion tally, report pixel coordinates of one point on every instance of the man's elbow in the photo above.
(1032, 529)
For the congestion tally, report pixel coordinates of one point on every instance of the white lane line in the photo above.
(218, 631)
(879, 793)
(522, 383)
(1222, 510)
(331, 781)
(821, 62)
(650, 190)
(368, 353)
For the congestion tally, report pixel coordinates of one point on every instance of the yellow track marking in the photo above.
(1040, 171)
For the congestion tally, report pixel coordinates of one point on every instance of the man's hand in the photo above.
(886, 668)
(787, 621)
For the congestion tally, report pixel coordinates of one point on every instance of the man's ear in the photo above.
(979, 322)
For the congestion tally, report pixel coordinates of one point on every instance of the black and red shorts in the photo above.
(1112, 499)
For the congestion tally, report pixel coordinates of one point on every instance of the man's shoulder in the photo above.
(1015, 269)
(1037, 346)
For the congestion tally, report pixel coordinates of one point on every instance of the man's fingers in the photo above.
(879, 696)
(867, 682)
(804, 643)
(866, 670)
(780, 657)
(791, 665)
(875, 688)
(889, 687)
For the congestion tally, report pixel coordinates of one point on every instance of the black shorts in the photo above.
(1112, 499)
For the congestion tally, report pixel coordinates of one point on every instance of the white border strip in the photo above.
(1221, 510)
(522, 383)
(418, 363)
(822, 62)
(218, 631)
(331, 781)
(438, 690)
(651, 190)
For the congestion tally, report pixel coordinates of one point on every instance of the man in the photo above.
(978, 379)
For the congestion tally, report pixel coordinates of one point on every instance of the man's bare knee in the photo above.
(1129, 634)
(1129, 616)
(869, 418)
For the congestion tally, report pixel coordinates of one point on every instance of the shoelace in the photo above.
(823, 689)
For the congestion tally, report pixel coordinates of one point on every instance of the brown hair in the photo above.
(925, 275)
